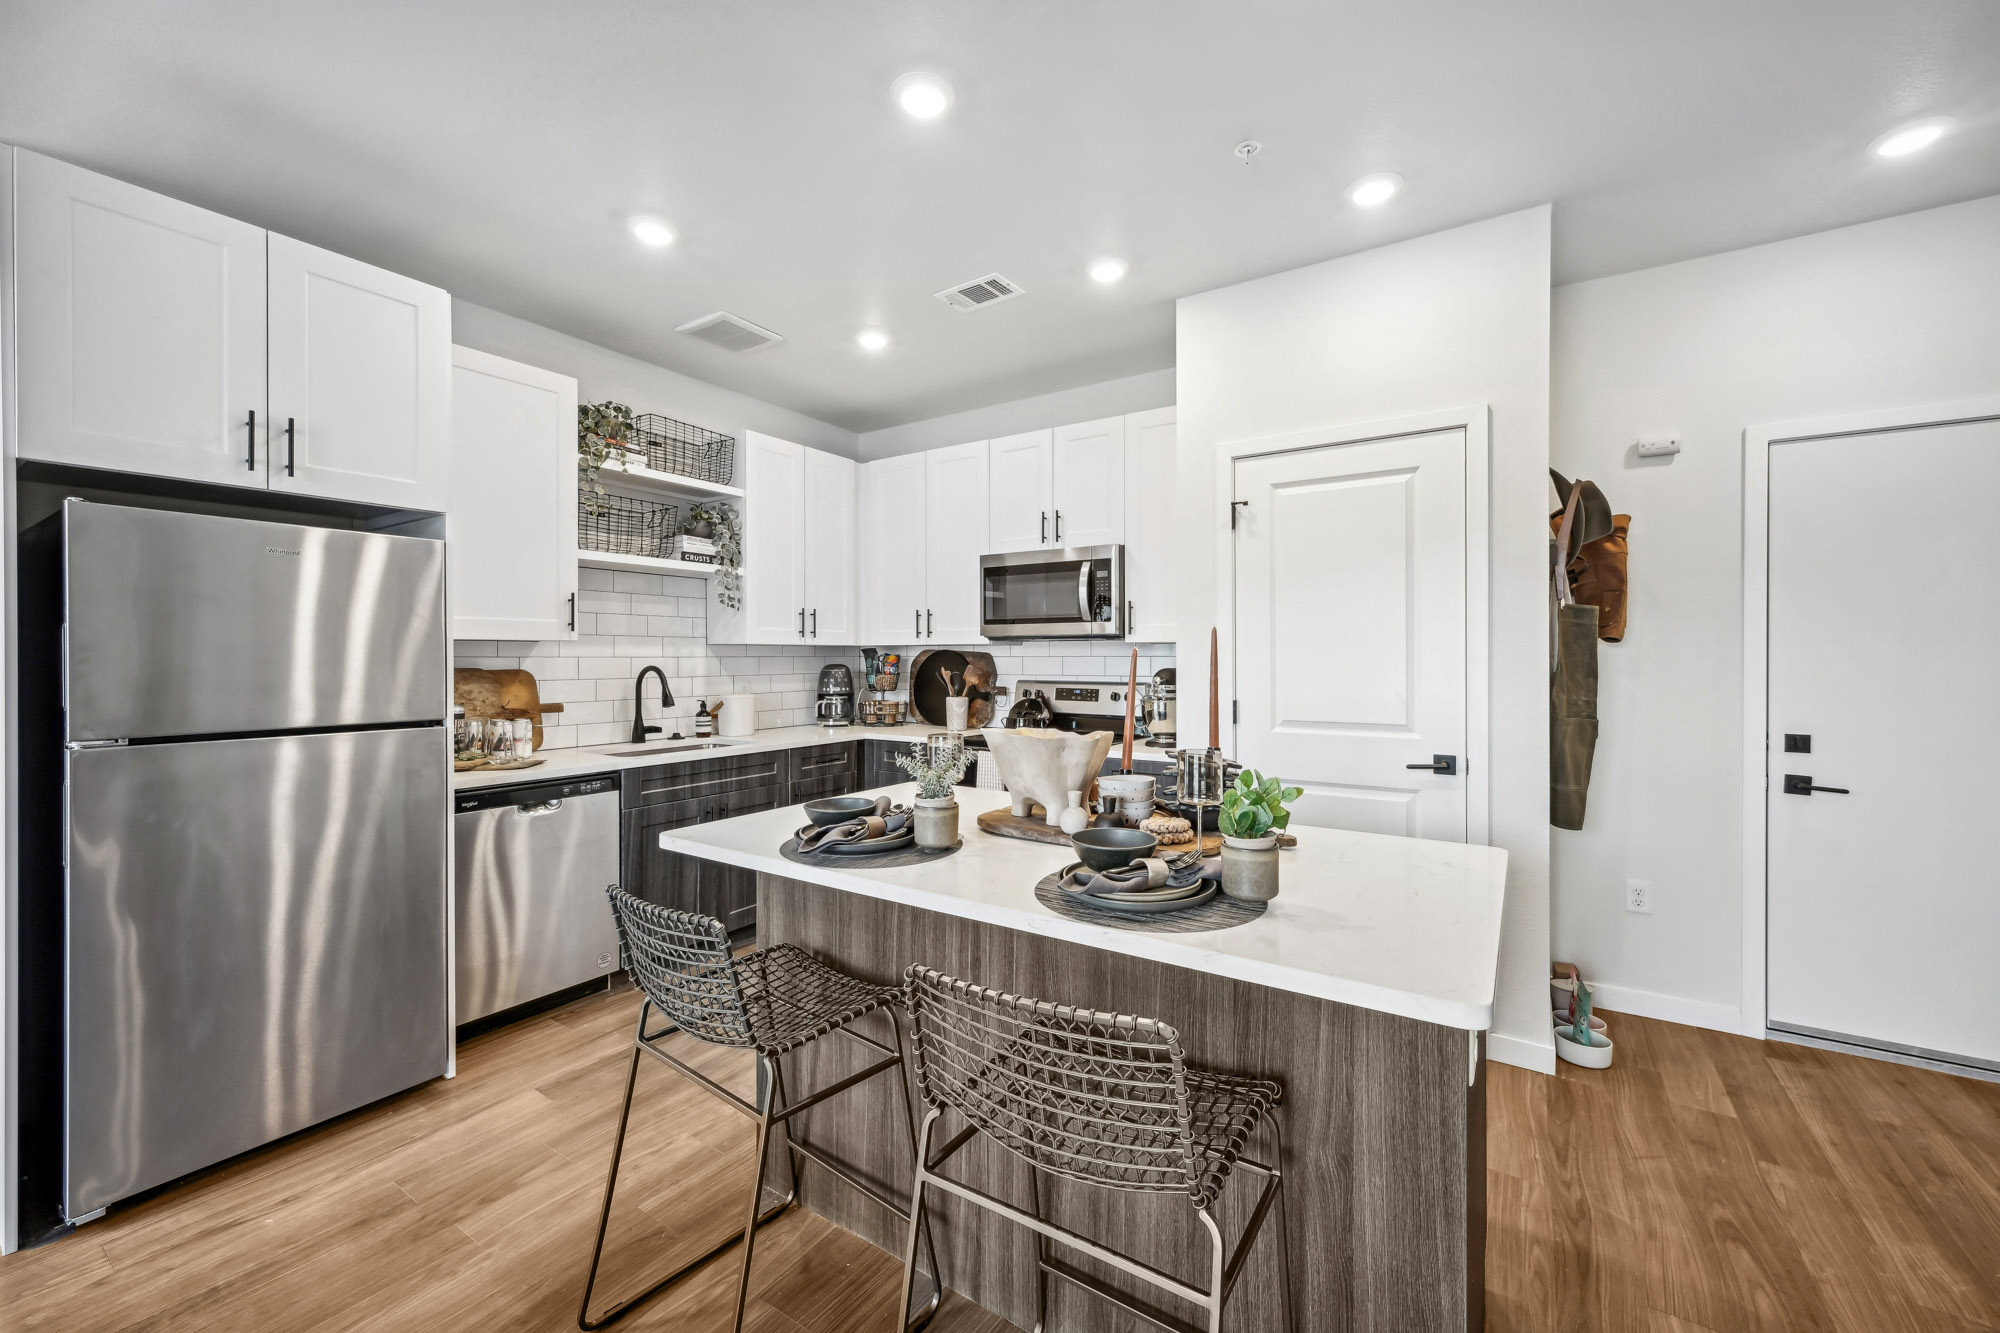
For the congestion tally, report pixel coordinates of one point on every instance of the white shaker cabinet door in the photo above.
(829, 548)
(1149, 518)
(512, 545)
(954, 485)
(1090, 484)
(1021, 479)
(360, 390)
(141, 329)
(892, 541)
(774, 597)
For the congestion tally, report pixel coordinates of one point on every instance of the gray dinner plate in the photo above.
(894, 842)
(1149, 900)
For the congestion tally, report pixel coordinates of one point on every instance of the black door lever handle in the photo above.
(1802, 785)
(1446, 764)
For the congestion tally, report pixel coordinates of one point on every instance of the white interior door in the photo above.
(1090, 484)
(1149, 527)
(829, 548)
(954, 484)
(1350, 647)
(774, 595)
(512, 547)
(141, 324)
(360, 380)
(892, 546)
(1883, 902)
(1021, 480)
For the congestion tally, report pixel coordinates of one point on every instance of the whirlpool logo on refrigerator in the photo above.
(282, 550)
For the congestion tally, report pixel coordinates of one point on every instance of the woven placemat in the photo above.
(912, 855)
(1218, 913)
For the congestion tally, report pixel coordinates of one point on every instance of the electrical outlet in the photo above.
(1639, 895)
(1658, 448)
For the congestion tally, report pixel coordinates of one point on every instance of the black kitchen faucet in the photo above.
(639, 728)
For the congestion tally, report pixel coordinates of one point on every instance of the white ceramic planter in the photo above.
(1043, 765)
(1597, 1055)
(1250, 868)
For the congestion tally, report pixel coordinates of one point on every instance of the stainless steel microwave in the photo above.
(1078, 593)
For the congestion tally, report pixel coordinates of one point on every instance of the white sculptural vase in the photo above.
(1042, 765)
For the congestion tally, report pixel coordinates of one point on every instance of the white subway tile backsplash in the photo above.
(550, 668)
(619, 603)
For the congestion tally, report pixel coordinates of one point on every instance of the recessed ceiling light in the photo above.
(1107, 270)
(923, 96)
(872, 340)
(652, 231)
(1913, 138)
(1376, 189)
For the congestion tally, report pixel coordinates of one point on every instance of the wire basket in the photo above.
(687, 451)
(625, 525)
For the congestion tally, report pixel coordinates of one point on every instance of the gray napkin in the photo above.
(1151, 873)
(879, 825)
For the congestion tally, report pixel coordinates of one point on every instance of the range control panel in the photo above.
(1090, 698)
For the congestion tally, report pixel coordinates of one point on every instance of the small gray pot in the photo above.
(936, 823)
(1250, 868)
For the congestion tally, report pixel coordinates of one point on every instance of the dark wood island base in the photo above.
(1383, 1121)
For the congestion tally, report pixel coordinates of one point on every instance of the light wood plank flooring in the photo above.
(1705, 1183)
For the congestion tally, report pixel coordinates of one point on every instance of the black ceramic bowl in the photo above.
(1109, 848)
(839, 809)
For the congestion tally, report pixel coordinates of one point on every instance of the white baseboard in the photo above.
(1667, 1008)
(1538, 1056)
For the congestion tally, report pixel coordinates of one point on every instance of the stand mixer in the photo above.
(1157, 710)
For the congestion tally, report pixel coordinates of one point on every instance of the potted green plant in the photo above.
(937, 769)
(602, 431)
(1252, 813)
(725, 530)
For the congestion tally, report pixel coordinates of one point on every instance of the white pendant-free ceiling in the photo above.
(501, 148)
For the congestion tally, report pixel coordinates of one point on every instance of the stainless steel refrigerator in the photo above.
(255, 792)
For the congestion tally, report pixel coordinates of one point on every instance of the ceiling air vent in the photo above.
(989, 290)
(730, 332)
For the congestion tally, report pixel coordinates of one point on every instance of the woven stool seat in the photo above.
(791, 997)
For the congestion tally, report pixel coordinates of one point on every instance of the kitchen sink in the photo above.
(676, 747)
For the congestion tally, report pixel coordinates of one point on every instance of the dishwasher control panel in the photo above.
(488, 797)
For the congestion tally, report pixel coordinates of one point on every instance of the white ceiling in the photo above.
(496, 148)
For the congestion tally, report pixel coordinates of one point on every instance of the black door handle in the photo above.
(1447, 764)
(1798, 784)
(251, 461)
(288, 446)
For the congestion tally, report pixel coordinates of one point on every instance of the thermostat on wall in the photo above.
(1658, 448)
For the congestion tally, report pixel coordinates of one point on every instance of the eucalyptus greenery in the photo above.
(728, 539)
(602, 429)
(1255, 806)
(936, 780)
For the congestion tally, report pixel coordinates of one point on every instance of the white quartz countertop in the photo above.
(1403, 926)
(585, 761)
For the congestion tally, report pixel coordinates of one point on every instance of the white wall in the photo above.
(1111, 398)
(602, 373)
(1902, 312)
(1443, 321)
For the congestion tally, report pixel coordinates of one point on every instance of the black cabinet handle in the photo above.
(815, 622)
(918, 630)
(572, 613)
(802, 622)
(1045, 525)
(1131, 621)
(251, 460)
(1446, 764)
(1058, 527)
(930, 630)
(1801, 784)
(288, 447)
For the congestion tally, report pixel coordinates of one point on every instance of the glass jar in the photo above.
(499, 739)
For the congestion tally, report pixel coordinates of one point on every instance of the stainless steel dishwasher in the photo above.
(532, 864)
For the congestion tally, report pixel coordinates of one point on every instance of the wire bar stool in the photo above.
(772, 1001)
(1105, 1099)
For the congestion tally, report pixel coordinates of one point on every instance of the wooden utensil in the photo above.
(1131, 689)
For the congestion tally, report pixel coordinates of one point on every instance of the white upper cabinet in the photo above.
(831, 612)
(893, 549)
(1020, 472)
(512, 548)
(1089, 504)
(955, 481)
(153, 334)
(774, 595)
(141, 329)
(1149, 519)
(360, 380)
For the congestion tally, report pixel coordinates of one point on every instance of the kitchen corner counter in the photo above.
(1402, 926)
(591, 760)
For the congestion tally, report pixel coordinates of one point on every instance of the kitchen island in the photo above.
(1365, 990)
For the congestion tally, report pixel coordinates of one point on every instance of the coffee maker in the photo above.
(836, 695)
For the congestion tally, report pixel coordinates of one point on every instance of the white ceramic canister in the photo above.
(739, 716)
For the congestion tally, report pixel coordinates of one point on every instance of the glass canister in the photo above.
(524, 737)
(499, 739)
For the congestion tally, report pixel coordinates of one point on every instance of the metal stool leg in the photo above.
(611, 1179)
(923, 1317)
(1284, 1236)
(1041, 1250)
(770, 1100)
(918, 1225)
(1216, 1294)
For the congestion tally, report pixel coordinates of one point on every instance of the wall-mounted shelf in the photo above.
(646, 479)
(641, 564)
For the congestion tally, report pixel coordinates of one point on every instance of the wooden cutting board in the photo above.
(1034, 828)
(501, 693)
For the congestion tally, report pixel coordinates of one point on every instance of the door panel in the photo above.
(1021, 472)
(256, 943)
(1883, 915)
(1149, 525)
(1089, 484)
(954, 482)
(513, 500)
(360, 380)
(1350, 629)
(773, 540)
(829, 548)
(141, 324)
(892, 549)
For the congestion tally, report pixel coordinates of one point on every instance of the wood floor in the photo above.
(1705, 1183)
